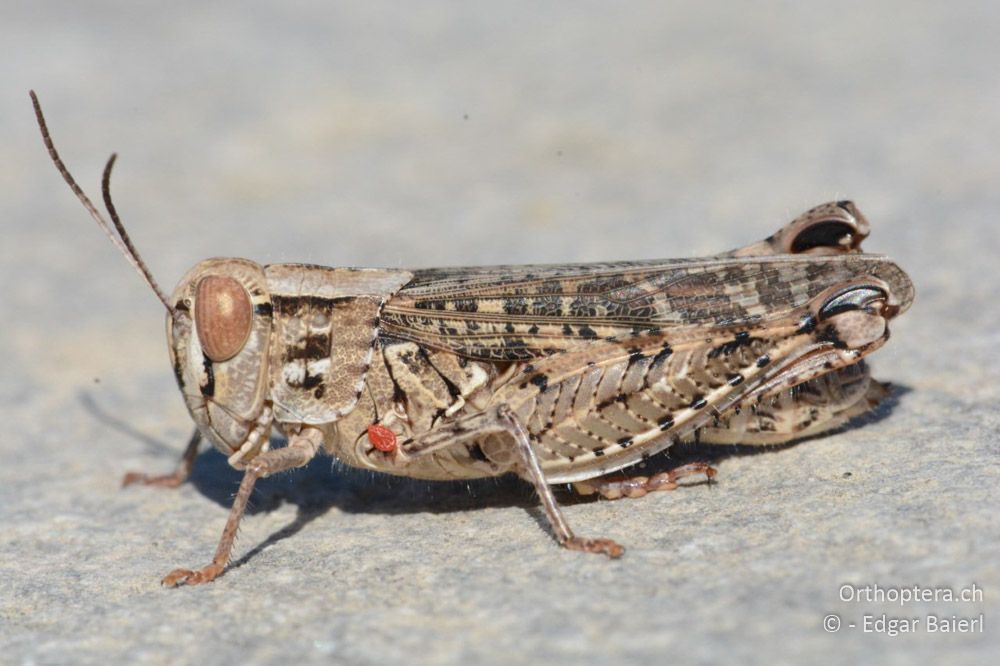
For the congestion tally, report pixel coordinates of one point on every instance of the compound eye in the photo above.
(223, 315)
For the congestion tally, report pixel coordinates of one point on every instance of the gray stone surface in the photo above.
(391, 134)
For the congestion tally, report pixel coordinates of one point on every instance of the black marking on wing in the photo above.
(517, 313)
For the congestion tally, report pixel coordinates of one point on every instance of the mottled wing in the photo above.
(510, 313)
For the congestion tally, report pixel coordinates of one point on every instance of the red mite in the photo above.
(382, 438)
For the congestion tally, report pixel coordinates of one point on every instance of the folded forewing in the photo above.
(508, 313)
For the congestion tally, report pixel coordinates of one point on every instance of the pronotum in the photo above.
(568, 373)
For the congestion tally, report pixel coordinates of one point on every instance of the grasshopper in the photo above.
(561, 374)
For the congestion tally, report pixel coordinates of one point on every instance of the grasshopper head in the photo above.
(218, 331)
(218, 327)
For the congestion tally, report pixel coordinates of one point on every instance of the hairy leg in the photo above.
(302, 448)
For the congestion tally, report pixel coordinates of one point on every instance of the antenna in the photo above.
(121, 239)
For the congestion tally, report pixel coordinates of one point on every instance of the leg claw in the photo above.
(602, 546)
(179, 577)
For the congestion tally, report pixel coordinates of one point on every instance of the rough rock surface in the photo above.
(446, 134)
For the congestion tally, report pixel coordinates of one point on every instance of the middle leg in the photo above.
(502, 419)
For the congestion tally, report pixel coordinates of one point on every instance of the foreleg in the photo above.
(302, 447)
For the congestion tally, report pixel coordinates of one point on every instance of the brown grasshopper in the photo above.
(559, 374)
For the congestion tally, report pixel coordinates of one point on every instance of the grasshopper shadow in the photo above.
(325, 483)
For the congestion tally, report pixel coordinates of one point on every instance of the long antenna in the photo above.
(121, 239)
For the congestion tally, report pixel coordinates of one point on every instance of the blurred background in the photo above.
(452, 133)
